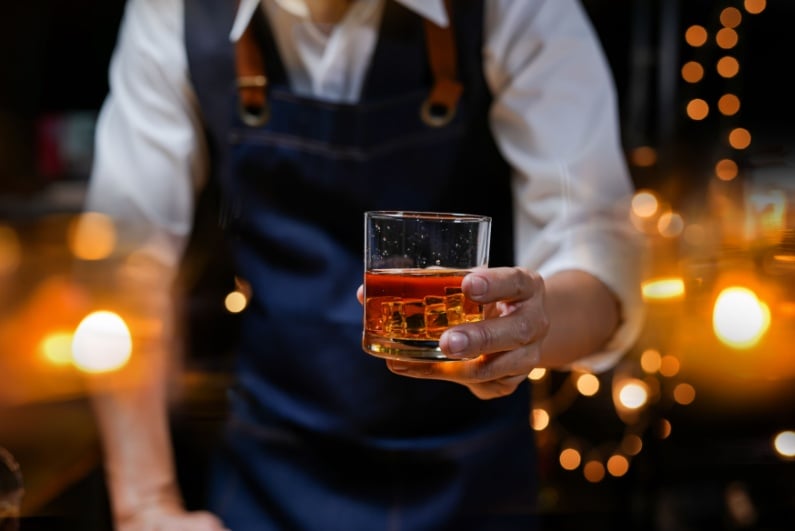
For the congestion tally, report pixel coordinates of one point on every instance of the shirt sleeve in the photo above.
(150, 155)
(555, 120)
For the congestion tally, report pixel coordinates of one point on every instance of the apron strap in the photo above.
(251, 79)
(441, 105)
(437, 110)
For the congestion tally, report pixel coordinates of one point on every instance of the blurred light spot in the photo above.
(540, 419)
(784, 443)
(632, 444)
(669, 365)
(91, 236)
(740, 506)
(692, 72)
(10, 250)
(726, 38)
(670, 225)
(587, 384)
(594, 471)
(644, 204)
(650, 360)
(729, 104)
(235, 302)
(57, 348)
(569, 459)
(684, 394)
(664, 428)
(739, 318)
(728, 67)
(101, 343)
(731, 17)
(697, 109)
(537, 374)
(663, 288)
(754, 7)
(739, 138)
(695, 234)
(643, 156)
(617, 465)
(633, 394)
(726, 169)
(696, 35)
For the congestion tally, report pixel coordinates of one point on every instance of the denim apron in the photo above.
(321, 435)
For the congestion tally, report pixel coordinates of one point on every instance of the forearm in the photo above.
(583, 315)
(131, 404)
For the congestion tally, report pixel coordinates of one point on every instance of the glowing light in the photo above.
(726, 38)
(739, 138)
(631, 444)
(540, 419)
(617, 465)
(726, 169)
(697, 109)
(664, 428)
(91, 236)
(10, 250)
(537, 374)
(650, 360)
(587, 384)
(669, 365)
(644, 204)
(784, 443)
(101, 343)
(670, 225)
(754, 7)
(692, 72)
(684, 394)
(569, 459)
(739, 318)
(57, 348)
(731, 17)
(235, 302)
(728, 67)
(643, 156)
(594, 471)
(696, 36)
(668, 288)
(729, 104)
(633, 394)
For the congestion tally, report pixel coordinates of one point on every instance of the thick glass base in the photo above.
(403, 349)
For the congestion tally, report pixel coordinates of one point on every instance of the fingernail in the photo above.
(398, 366)
(477, 286)
(457, 342)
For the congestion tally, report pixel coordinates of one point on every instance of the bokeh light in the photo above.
(101, 343)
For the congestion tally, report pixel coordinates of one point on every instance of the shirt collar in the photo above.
(433, 10)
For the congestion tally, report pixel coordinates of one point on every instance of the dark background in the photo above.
(55, 56)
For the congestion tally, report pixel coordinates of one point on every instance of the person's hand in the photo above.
(169, 517)
(505, 346)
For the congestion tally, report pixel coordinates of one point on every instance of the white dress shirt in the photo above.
(554, 118)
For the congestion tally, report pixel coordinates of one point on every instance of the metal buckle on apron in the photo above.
(252, 82)
(442, 103)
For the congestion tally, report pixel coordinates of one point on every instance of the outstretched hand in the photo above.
(497, 353)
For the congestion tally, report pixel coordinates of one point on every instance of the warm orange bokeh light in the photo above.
(729, 104)
(697, 109)
(569, 459)
(727, 66)
(754, 7)
(696, 36)
(726, 38)
(684, 394)
(669, 365)
(617, 465)
(587, 384)
(739, 138)
(594, 471)
(540, 419)
(726, 169)
(643, 156)
(692, 72)
(731, 17)
(91, 236)
(644, 204)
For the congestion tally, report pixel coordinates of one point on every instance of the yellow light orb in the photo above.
(101, 343)
(739, 318)
(784, 443)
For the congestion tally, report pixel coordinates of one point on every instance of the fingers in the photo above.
(502, 284)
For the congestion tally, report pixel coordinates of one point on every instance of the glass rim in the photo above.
(428, 215)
